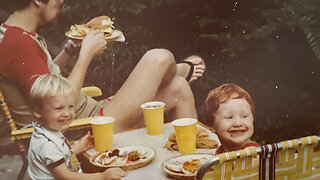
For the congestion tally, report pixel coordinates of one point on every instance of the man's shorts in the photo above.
(88, 107)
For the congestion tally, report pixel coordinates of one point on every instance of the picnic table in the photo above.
(139, 137)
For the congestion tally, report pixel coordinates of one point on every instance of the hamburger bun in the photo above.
(200, 132)
(206, 143)
(99, 22)
(107, 31)
(102, 23)
(172, 137)
(190, 167)
(174, 166)
(172, 146)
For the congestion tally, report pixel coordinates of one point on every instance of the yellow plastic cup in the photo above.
(185, 130)
(153, 117)
(102, 129)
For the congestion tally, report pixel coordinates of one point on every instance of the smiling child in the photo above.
(230, 110)
(50, 156)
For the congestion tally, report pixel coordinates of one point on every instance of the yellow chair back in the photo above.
(297, 159)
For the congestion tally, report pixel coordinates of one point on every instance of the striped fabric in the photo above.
(306, 168)
(268, 162)
(286, 162)
(297, 159)
(233, 168)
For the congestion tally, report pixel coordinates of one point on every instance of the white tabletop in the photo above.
(139, 137)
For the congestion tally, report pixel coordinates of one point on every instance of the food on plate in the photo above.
(127, 158)
(201, 132)
(102, 23)
(191, 166)
(133, 156)
(172, 137)
(79, 31)
(114, 152)
(206, 143)
(174, 166)
(107, 158)
(203, 140)
(185, 166)
(172, 146)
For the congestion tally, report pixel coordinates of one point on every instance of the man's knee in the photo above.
(160, 57)
(182, 89)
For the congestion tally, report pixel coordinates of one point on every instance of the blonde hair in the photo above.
(221, 95)
(49, 85)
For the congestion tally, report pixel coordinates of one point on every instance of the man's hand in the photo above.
(72, 47)
(93, 44)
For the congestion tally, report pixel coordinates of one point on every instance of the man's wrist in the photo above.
(71, 48)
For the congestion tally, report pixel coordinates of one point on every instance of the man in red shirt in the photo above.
(24, 56)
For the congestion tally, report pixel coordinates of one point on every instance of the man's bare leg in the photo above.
(179, 99)
(154, 78)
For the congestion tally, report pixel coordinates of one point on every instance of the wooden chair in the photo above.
(19, 135)
(297, 159)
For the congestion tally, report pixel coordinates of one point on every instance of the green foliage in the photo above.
(262, 22)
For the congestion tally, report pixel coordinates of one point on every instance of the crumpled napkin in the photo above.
(121, 38)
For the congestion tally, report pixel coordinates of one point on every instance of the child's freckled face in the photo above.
(57, 112)
(234, 124)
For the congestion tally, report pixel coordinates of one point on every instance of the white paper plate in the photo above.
(173, 165)
(115, 35)
(146, 152)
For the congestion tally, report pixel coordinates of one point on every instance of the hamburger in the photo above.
(206, 143)
(190, 167)
(103, 24)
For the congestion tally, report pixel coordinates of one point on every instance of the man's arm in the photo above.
(71, 48)
(92, 45)
(62, 59)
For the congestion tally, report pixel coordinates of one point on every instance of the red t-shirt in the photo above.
(22, 58)
(251, 144)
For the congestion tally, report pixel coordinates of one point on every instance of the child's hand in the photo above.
(85, 143)
(114, 174)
